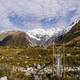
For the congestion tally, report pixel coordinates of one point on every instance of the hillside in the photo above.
(71, 47)
(72, 37)
(15, 39)
(73, 33)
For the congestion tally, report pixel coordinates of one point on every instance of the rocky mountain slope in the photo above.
(72, 37)
(15, 39)
(41, 36)
(66, 35)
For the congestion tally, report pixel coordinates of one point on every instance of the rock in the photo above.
(3, 78)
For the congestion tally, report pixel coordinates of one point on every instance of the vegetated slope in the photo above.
(16, 39)
(71, 47)
(14, 62)
(71, 37)
(31, 55)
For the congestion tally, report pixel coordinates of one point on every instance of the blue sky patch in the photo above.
(49, 22)
(16, 20)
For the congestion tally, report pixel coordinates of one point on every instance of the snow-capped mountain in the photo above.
(40, 36)
(40, 33)
(64, 31)
(71, 25)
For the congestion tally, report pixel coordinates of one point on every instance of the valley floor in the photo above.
(40, 63)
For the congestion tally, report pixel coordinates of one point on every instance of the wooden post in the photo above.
(63, 49)
(53, 58)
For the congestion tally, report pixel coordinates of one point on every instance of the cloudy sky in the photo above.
(32, 14)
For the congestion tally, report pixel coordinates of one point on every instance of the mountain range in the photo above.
(40, 36)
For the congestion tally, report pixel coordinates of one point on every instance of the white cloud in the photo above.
(39, 8)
